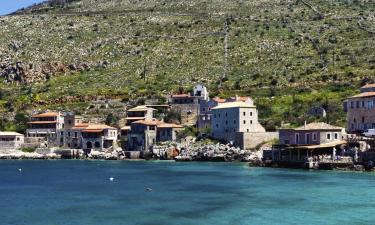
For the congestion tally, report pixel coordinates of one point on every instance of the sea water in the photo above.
(147, 193)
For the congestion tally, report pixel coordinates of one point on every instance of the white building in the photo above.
(11, 140)
(201, 91)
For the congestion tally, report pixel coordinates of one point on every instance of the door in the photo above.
(308, 139)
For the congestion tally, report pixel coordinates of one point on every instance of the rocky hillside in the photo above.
(299, 52)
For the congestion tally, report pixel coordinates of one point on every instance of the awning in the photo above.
(325, 145)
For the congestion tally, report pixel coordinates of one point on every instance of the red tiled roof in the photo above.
(181, 96)
(46, 114)
(218, 100)
(364, 95)
(369, 86)
(96, 128)
(80, 126)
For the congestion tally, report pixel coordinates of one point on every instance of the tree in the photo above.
(20, 120)
(111, 119)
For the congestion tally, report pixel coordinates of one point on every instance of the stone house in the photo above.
(139, 113)
(205, 113)
(45, 124)
(311, 145)
(145, 133)
(237, 122)
(72, 137)
(311, 134)
(69, 137)
(11, 140)
(99, 137)
(167, 132)
(360, 110)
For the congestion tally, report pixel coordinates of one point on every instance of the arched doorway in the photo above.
(89, 144)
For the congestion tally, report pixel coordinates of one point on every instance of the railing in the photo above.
(41, 131)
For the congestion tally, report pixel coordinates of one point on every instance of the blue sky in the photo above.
(8, 6)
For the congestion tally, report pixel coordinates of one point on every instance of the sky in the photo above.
(9, 6)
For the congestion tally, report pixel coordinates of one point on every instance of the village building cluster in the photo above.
(233, 120)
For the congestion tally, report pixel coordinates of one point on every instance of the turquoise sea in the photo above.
(81, 193)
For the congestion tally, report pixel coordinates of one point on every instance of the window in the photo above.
(248, 130)
(328, 136)
(251, 113)
(68, 134)
(357, 104)
(370, 104)
(297, 138)
(62, 133)
(244, 122)
(315, 137)
(336, 136)
(226, 122)
(217, 125)
(75, 134)
(244, 113)
(226, 114)
(363, 104)
(97, 144)
(352, 105)
(251, 122)
(215, 115)
(234, 121)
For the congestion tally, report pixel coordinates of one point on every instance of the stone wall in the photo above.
(189, 112)
(252, 139)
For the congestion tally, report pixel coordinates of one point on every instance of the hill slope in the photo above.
(304, 52)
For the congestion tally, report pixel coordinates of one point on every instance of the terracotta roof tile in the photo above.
(96, 128)
(46, 114)
(364, 95)
(218, 100)
(369, 86)
(181, 96)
